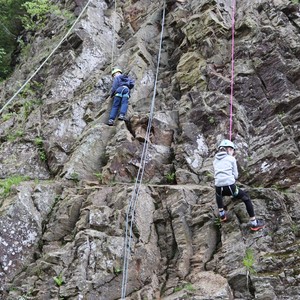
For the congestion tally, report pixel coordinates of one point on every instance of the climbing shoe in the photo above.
(110, 122)
(121, 118)
(259, 225)
(223, 216)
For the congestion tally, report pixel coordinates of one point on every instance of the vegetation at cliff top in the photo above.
(10, 27)
(16, 15)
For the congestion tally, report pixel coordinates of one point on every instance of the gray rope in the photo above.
(139, 178)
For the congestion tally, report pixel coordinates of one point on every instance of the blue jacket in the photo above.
(121, 80)
(225, 168)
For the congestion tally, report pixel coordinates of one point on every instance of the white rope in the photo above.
(43, 63)
(138, 182)
(113, 41)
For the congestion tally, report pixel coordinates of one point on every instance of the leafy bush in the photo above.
(10, 27)
(37, 12)
(15, 15)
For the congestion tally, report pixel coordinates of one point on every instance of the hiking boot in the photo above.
(223, 218)
(259, 225)
(121, 118)
(110, 122)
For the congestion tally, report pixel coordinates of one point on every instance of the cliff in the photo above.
(63, 222)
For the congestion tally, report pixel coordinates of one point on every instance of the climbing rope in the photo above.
(43, 63)
(133, 201)
(113, 40)
(232, 69)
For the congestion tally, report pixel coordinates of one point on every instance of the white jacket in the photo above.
(225, 169)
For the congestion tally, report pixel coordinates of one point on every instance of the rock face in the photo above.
(62, 228)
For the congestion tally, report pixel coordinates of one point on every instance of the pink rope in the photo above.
(232, 69)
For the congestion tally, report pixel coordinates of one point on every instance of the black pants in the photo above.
(236, 193)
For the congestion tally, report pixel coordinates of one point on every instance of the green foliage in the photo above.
(6, 184)
(30, 89)
(38, 141)
(13, 136)
(2, 54)
(187, 287)
(248, 260)
(99, 176)
(6, 117)
(10, 27)
(37, 12)
(58, 280)
(29, 93)
(170, 177)
(209, 175)
(217, 222)
(15, 15)
(211, 120)
(177, 289)
(295, 229)
(75, 177)
(27, 108)
(117, 270)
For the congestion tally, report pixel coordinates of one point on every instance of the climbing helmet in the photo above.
(116, 70)
(227, 143)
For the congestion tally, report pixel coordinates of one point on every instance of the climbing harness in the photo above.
(133, 201)
(232, 69)
(121, 95)
(43, 63)
(235, 192)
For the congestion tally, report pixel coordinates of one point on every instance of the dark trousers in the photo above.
(236, 193)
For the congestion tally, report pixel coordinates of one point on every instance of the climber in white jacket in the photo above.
(226, 173)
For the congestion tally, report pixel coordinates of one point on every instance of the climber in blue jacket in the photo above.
(121, 87)
(226, 173)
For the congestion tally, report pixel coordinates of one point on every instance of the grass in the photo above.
(6, 184)
(188, 287)
(6, 117)
(99, 176)
(17, 134)
(58, 280)
(170, 177)
(248, 261)
(38, 141)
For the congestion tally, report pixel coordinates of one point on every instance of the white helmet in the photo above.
(227, 143)
(116, 70)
